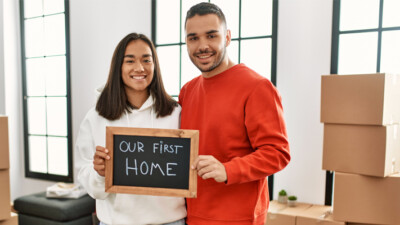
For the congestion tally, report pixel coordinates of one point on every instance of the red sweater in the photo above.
(240, 118)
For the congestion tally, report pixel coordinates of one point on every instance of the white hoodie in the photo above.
(125, 209)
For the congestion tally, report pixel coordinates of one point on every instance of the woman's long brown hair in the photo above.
(113, 101)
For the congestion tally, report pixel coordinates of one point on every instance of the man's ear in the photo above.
(228, 38)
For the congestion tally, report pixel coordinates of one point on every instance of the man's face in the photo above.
(206, 39)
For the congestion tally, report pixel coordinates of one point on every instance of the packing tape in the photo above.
(393, 165)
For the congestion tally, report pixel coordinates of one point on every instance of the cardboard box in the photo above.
(281, 214)
(369, 99)
(362, 149)
(4, 154)
(13, 220)
(366, 199)
(5, 208)
(317, 215)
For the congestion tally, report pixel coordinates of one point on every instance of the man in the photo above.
(242, 131)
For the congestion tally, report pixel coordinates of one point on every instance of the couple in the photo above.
(239, 114)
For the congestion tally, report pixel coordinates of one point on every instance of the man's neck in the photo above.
(221, 68)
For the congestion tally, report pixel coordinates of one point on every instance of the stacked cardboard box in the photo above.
(301, 214)
(361, 116)
(6, 218)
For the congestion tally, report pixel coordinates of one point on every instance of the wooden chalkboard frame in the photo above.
(191, 192)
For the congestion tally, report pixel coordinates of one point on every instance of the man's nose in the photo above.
(204, 45)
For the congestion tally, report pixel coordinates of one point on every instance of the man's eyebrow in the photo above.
(208, 32)
(212, 31)
(147, 55)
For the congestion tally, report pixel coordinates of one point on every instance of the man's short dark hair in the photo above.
(205, 8)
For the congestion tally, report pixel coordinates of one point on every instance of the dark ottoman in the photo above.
(36, 209)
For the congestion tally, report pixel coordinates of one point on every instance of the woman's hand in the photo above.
(99, 158)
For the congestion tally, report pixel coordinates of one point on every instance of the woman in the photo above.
(134, 96)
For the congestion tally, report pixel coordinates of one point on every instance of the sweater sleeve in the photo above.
(266, 131)
(93, 183)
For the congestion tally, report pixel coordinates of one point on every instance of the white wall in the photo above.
(96, 27)
(304, 39)
(2, 92)
(304, 43)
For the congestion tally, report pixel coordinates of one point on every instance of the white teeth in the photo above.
(138, 77)
(204, 56)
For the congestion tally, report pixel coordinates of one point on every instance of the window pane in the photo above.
(169, 63)
(35, 77)
(256, 54)
(233, 51)
(54, 27)
(189, 71)
(55, 70)
(256, 18)
(58, 155)
(34, 37)
(357, 53)
(359, 14)
(53, 6)
(168, 22)
(391, 15)
(231, 11)
(33, 8)
(186, 4)
(37, 154)
(390, 58)
(36, 116)
(57, 116)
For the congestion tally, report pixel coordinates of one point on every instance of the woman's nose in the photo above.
(138, 67)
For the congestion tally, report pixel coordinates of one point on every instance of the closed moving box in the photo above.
(4, 154)
(317, 215)
(362, 149)
(281, 214)
(5, 207)
(371, 99)
(13, 220)
(366, 199)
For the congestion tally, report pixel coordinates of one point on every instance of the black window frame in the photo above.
(28, 173)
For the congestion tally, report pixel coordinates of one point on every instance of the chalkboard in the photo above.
(151, 161)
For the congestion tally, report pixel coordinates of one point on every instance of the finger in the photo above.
(99, 167)
(196, 161)
(98, 161)
(101, 154)
(204, 170)
(101, 149)
(208, 175)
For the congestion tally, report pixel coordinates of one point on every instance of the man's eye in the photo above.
(193, 38)
(211, 36)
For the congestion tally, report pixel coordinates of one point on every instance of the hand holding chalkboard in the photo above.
(151, 161)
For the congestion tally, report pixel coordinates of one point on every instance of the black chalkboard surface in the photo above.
(151, 161)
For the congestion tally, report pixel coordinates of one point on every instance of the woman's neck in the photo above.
(136, 99)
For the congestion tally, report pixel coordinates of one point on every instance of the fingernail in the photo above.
(106, 150)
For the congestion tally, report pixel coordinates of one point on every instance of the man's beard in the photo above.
(213, 66)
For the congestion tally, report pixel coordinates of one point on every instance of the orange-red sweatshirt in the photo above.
(240, 118)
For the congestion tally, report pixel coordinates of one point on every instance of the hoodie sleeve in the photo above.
(86, 146)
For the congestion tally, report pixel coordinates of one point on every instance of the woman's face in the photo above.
(137, 67)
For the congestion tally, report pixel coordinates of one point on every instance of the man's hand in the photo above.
(209, 167)
(99, 158)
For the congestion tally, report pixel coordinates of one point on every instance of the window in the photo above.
(46, 89)
(253, 25)
(365, 39)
